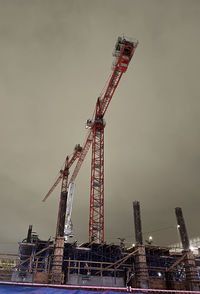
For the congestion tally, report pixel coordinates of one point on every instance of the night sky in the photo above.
(55, 58)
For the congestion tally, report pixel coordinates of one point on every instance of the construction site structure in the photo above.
(142, 276)
(190, 266)
(108, 265)
(97, 263)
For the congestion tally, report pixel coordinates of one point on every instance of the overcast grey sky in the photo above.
(55, 57)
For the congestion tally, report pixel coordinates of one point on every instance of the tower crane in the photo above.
(123, 52)
(63, 178)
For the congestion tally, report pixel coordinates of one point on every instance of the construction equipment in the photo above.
(64, 174)
(68, 222)
(123, 53)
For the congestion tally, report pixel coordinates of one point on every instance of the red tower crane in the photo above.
(123, 53)
(64, 175)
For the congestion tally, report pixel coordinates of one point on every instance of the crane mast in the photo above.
(68, 222)
(123, 53)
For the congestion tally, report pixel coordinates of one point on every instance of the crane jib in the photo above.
(121, 66)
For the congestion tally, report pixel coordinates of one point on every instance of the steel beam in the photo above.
(182, 228)
(137, 222)
(28, 239)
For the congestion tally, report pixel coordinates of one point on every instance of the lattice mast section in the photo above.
(96, 219)
(123, 53)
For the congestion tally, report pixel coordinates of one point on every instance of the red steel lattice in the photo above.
(96, 218)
